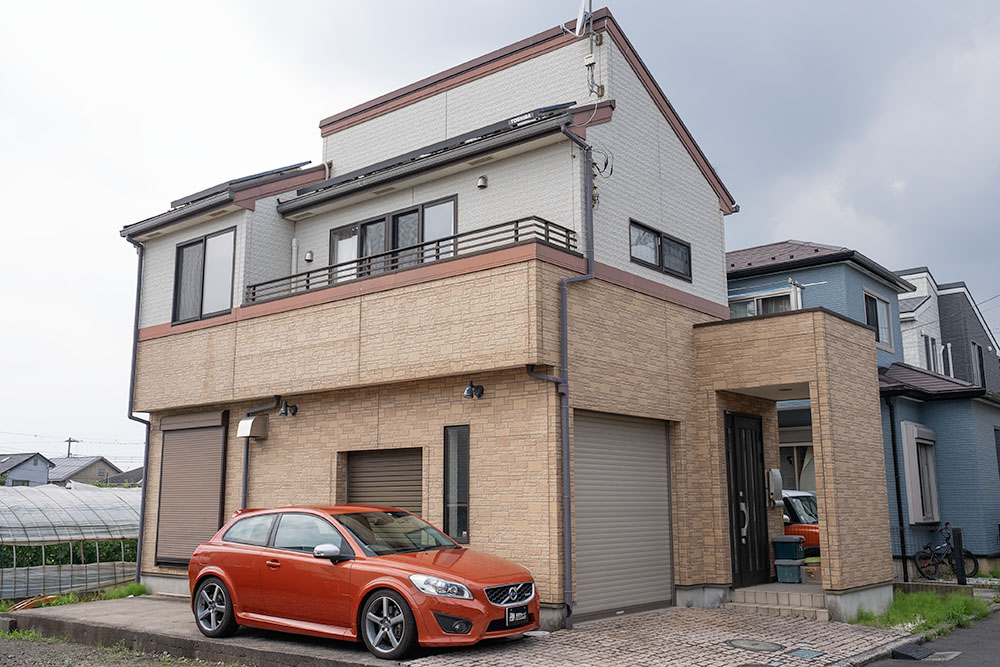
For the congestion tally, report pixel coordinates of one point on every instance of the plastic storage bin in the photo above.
(789, 547)
(789, 570)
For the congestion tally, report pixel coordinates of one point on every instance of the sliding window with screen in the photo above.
(428, 225)
(203, 276)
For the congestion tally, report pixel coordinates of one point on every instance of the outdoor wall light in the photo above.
(309, 256)
(482, 182)
(473, 391)
(287, 409)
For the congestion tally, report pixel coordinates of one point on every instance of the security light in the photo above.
(287, 409)
(473, 391)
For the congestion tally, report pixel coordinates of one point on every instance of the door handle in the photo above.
(273, 564)
(746, 519)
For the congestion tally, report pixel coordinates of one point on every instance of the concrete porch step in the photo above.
(810, 613)
(778, 595)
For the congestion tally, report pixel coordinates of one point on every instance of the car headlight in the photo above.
(440, 587)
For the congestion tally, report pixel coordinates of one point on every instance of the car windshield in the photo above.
(805, 507)
(382, 533)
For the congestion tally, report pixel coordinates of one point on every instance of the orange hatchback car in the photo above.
(375, 574)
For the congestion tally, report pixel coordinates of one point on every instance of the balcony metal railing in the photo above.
(531, 229)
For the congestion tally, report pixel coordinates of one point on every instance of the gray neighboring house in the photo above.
(28, 469)
(133, 476)
(86, 469)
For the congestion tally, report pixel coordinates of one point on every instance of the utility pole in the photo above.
(69, 443)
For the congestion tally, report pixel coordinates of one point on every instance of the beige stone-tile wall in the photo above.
(514, 466)
(473, 322)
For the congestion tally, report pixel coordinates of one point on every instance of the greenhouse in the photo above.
(56, 540)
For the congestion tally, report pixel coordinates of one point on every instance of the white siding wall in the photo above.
(927, 322)
(656, 182)
(552, 78)
(158, 267)
(269, 241)
(543, 183)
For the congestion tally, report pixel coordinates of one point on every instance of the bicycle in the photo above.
(929, 559)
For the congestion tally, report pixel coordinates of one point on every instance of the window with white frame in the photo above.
(764, 303)
(921, 473)
(878, 316)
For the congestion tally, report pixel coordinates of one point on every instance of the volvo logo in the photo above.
(512, 593)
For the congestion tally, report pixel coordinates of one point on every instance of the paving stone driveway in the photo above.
(690, 637)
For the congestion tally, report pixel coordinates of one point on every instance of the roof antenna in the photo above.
(585, 25)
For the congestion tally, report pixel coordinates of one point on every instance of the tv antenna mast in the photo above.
(585, 26)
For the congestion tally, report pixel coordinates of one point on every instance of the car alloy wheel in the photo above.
(213, 609)
(389, 628)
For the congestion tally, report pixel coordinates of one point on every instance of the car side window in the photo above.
(251, 530)
(302, 532)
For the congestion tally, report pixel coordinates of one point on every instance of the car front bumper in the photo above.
(488, 620)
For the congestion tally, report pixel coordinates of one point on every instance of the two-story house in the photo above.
(940, 430)
(500, 303)
(28, 469)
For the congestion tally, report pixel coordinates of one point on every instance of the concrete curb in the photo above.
(884, 651)
(284, 654)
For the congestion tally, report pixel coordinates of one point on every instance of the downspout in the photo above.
(246, 450)
(563, 385)
(131, 401)
(899, 493)
(295, 256)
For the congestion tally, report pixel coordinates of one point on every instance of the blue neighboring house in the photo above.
(27, 469)
(940, 420)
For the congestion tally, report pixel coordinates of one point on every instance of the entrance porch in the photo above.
(744, 367)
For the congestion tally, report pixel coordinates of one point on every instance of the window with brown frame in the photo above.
(659, 250)
(203, 276)
(420, 225)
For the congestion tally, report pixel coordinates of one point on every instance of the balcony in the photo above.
(515, 232)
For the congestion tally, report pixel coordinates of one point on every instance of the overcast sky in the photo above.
(868, 124)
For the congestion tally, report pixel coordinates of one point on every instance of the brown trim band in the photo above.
(519, 52)
(446, 269)
(788, 313)
(248, 198)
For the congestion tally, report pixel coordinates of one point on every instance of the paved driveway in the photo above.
(689, 637)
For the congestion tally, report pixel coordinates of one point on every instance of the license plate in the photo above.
(517, 615)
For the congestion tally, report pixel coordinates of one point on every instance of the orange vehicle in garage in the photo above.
(362, 573)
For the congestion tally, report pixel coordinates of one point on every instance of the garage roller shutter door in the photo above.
(190, 510)
(622, 513)
(386, 477)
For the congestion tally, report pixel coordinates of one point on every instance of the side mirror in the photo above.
(330, 551)
(787, 520)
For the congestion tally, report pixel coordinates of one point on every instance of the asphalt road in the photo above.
(979, 645)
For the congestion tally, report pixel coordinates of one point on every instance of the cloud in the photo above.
(915, 169)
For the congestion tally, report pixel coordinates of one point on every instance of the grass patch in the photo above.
(72, 598)
(919, 612)
(120, 650)
(31, 636)
(995, 573)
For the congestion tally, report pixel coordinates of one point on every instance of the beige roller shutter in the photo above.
(190, 510)
(622, 513)
(386, 477)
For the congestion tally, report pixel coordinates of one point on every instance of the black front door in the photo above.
(747, 500)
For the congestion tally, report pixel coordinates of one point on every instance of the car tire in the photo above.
(213, 608)
(387, 625)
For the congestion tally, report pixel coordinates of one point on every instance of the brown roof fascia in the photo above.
(494, 61)
(727, 204)
(294, 180)
(519, 52)
(590, 115)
